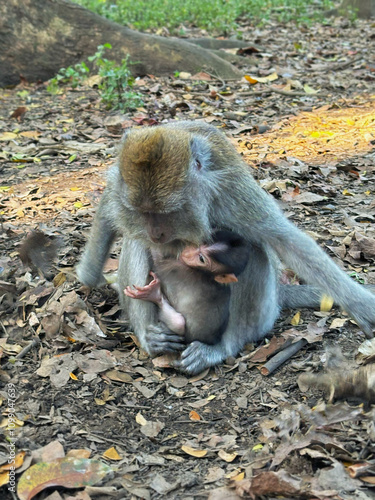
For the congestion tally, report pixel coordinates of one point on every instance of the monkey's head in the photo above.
(165, 193)
(225, 256)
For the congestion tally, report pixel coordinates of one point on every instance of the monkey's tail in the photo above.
(294, 296)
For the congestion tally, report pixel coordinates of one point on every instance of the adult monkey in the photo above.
(174, 185)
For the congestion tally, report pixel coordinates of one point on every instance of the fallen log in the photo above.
(38, 37)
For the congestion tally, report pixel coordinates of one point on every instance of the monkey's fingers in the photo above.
(148, 288)
(161, 340)
(136, 294)
(129, 292)
(135, 291)
(197, 357)
(155, 282)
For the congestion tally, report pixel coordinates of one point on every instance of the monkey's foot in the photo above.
(150, 292)
(198, 356)
(159, 339)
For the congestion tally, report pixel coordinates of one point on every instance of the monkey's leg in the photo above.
(254, 308)
(152, 292)
(155, 337)
(102, 234)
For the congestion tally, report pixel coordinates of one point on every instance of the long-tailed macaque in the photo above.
(173, 186)
(192, 292)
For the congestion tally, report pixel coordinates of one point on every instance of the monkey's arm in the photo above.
(152, 293)
(102, 234)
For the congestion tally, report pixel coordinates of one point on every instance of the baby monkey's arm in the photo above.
(152, 293)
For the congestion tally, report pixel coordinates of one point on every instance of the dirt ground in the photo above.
(83, 387)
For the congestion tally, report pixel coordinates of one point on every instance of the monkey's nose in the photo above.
(158, 238)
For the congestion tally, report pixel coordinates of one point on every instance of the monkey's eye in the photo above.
(198, 165)
(201, 259)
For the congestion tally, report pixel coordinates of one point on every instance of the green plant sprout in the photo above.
(116, 80)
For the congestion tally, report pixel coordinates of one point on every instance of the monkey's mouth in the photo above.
(173, 248)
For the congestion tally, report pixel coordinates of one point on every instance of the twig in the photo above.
(287, 93)
(201, 96)
(197, 421)
(216, 77)
(195, 95)
(4, 329)
(281, 357)
(23, 352)
(340, 65)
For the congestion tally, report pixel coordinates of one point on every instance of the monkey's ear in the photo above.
(226, 278)
(200, 152)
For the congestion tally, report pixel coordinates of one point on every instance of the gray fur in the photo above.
(222, 194)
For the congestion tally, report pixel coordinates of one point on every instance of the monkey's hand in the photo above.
(198, 356)
(150, 292)
(159, 339)
(89, 276)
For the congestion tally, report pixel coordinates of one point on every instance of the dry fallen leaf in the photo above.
(338, 323)
(238, 477)
(165, 360)
(228, 457)
(193, 415)
(69, 472)
(112, 454)
(140, 419)
(152, 429)
(7, 136)
(118, 376)
(261, 79)
(194, 452)
(368, 479)
(366, 352)
(5, 468)
(59, 279)
(295, 320)
(270, 484)
(326, 303)
(79, 453)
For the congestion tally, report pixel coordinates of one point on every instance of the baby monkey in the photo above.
(192, 291)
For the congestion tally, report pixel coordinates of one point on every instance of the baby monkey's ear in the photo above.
(226, 278)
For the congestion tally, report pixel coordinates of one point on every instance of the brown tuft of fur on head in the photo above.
(154, 163)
